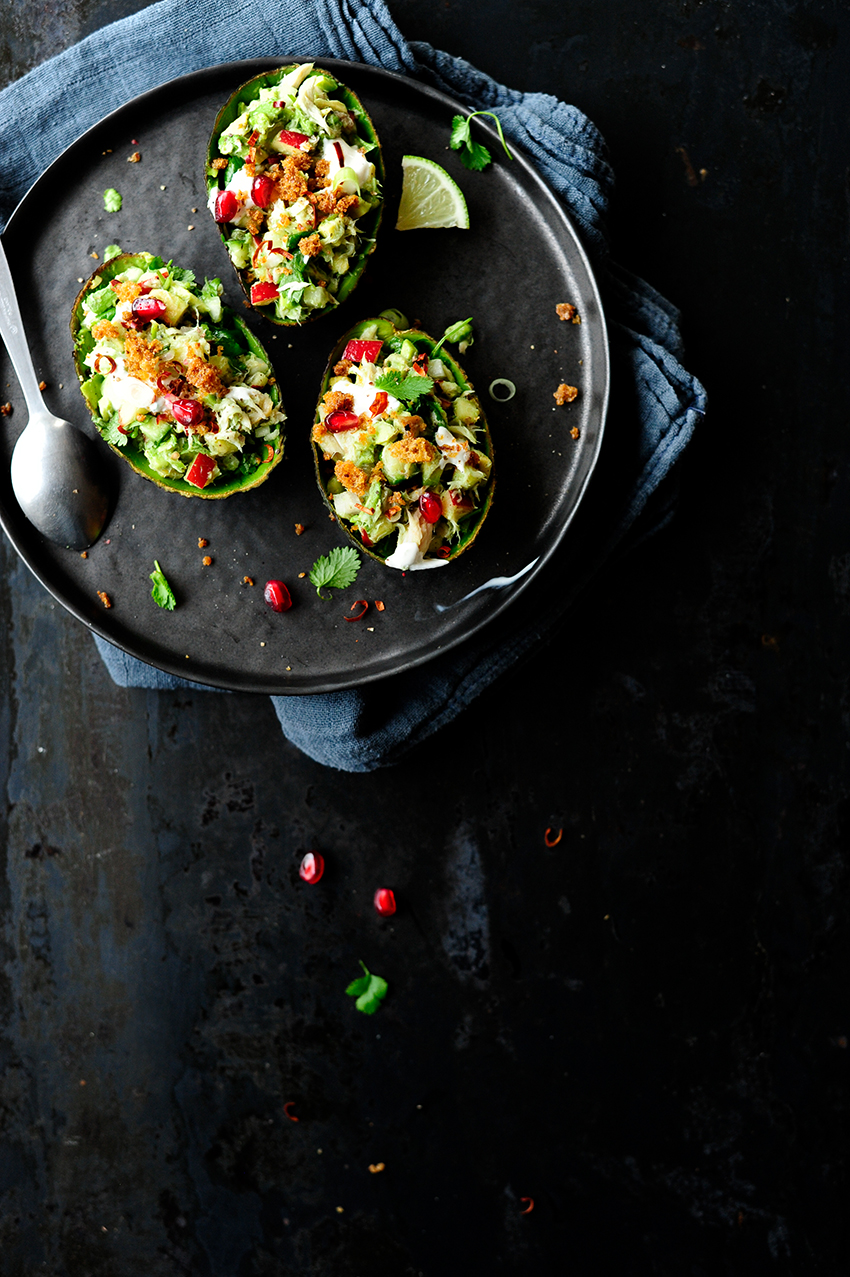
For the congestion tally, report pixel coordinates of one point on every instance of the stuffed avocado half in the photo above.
(403, 454)
(294, 175)
(176, 383)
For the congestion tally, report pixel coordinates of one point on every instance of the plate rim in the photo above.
(525, 578)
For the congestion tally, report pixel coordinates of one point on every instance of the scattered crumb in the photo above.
(299, 528)
(79, 279)
(332, 518)
(202, 543)
(262, 645)
(575, 432)
(134, 158)
(194, 210)
(104, 598)
(340, 1209)
(564, 394)
(162, 188)
(95, 256)
(190, 227)
(6, 409)
(42, 385)
(375, 1168)
(566, 310)
(247, 580)
(301, 575)
(379, 607)
(84, 554)
(370, 629)
(206, 560)
(289, 667)
(109, 152)
(134, 141)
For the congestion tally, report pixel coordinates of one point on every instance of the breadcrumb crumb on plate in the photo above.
(565, 394)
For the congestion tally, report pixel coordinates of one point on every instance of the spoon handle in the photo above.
(14, 338)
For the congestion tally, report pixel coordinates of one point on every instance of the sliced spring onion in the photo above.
(396, 317)
(509, 386)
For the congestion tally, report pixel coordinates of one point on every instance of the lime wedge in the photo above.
(430, 199)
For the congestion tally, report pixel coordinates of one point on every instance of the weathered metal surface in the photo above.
(640, 1028)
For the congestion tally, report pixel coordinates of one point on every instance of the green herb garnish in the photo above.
(473, 155)
(335, 570)
(404, 387)
(459, 333)
(112, 200)
(369, 990)
(111, 250)
(162, 593)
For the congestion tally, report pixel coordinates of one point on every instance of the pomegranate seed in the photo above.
(430, 506)
(385, 902)
(187, 411)
(262, 191)
(341, 420)
(313, 864)
(277, 596)
(226, 206)
(148, 308)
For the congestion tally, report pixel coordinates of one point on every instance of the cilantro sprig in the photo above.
(404, 386)
(459, 334)
(474, 155)
(335, 570)
(162, 593)
(112, 200)
(369, 990)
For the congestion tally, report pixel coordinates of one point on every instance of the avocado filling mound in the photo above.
(289, 179)
(404, 449)
(176, 380)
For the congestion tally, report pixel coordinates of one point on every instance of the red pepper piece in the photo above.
(366, 539)
(341, 420)
(379, 403)
(419, 363)
(262, 293)
(290, 138)
(357, 350)
(357, 603)
(312, 867)
(385, 902)
(200, 470)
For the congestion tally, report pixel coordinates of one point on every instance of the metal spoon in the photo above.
(58, 476)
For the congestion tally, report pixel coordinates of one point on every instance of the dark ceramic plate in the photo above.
(520, 258)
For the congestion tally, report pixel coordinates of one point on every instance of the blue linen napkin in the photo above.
(655, 402)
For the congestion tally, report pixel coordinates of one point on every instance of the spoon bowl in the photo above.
(58, 476)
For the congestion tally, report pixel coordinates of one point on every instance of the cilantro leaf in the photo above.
(369, 990)
(112, 200)
(162, 593)
(406, 388)
(473, 155)
(335, 570)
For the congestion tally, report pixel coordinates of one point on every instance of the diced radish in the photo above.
(262, 293)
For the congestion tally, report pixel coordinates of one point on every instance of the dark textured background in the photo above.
(644, 1029)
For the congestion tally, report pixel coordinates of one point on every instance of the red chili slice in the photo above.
(109, 360)
(357, 603)
(367, 541)
(269, 451)
(419, 363)
(287, 1106)
(200, 470)
(292, 139)
(341, 420)
(357, 350)
(262, 293)
(379, 403)
(553, 842)
(530, 1207)
(339, 154)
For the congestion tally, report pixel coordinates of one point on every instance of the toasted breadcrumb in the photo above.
(299, 528)
(344, 366)
(409, 449)
(566, 310)
(205, 378)
(105, 328)
(310, 245)
(134, 158)
(84, 554)
(126, 290)
(564, 394)
(336, 400)
(247, 580)
(6, 409)
(575, 433)
(207, 561)
(104, 598)
(219, 163)
(352, 477)
(379, 606)
(202, 543)
(142, 356)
